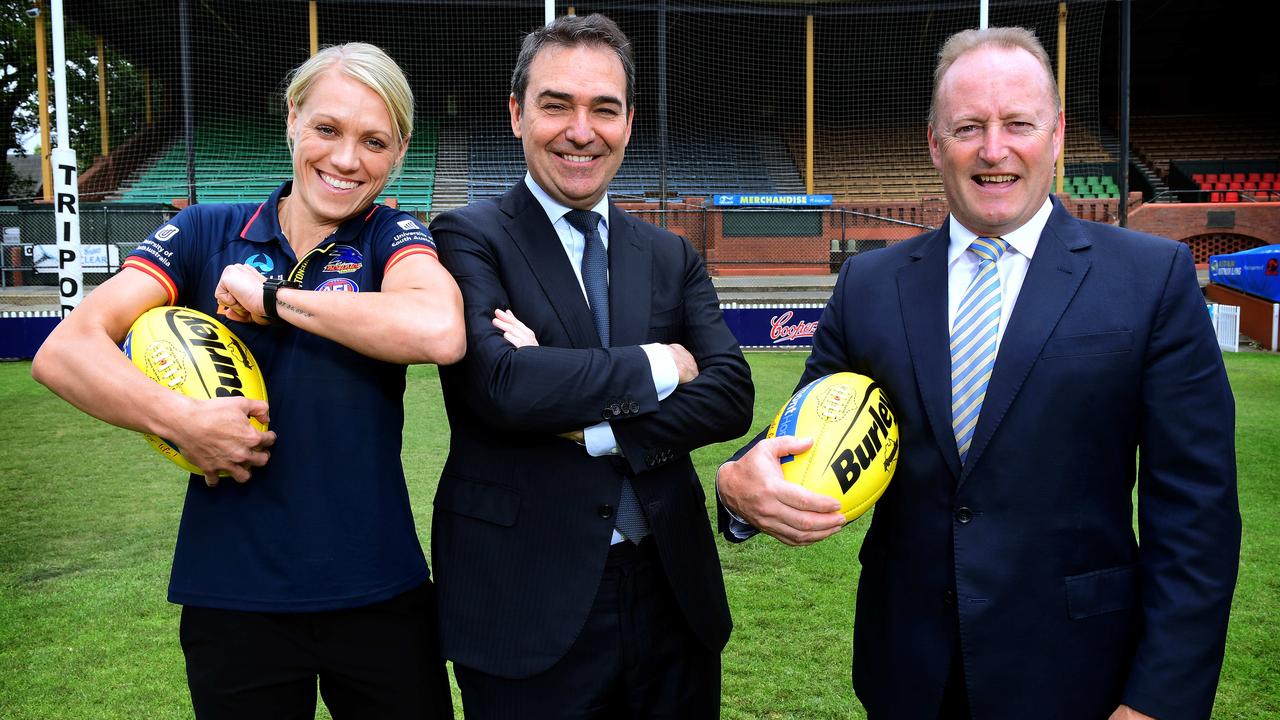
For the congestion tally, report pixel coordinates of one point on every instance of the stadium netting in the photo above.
(721, 93)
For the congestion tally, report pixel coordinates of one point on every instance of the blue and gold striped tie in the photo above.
(973, 342)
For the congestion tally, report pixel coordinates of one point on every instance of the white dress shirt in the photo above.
(962, 264)
(599, 437)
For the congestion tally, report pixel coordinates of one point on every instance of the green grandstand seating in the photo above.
(1091, 187)
(245, 159)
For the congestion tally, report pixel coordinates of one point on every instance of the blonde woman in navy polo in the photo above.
(304, 565)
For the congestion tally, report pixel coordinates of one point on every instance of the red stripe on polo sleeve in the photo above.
(406, 252)
(154, 271)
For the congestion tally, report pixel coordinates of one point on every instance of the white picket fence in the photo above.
(1226, 324)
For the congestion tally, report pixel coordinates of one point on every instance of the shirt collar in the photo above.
(1024, 239)
(264, 226)
(555, 210)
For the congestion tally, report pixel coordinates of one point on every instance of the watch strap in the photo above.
(269, 289)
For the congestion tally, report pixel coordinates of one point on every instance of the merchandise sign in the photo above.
(771, 200)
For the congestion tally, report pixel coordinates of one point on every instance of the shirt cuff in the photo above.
(599, 440)
(665, 375)
(740, 529)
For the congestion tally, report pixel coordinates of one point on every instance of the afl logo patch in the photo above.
(338, 285)
(344, 259)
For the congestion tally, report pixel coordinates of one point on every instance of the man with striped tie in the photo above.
(1040, 365)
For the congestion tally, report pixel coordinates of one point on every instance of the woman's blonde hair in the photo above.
(368, 65)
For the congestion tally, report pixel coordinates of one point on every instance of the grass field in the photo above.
(88, 515)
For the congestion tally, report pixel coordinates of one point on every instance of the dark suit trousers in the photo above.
(635, 658)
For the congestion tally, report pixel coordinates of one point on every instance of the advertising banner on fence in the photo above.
(21, 333)
(763, 200)
(93, 258)
(773, 326)
(1255, 271)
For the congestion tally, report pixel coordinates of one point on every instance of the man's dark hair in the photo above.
(570, 31)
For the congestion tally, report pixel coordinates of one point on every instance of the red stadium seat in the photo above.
(1232, 197)
(1197, 177)
(1237, 177)
(1211, 177)
(1215, 197)
(1268, 177)
(1251, 185)
(1237, 185)
(1254, 177)
(1264, 185)
(1219, 186)
(1206, 186)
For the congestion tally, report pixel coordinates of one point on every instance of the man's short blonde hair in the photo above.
(1005, 38)
(368, 65)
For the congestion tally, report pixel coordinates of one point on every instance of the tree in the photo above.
(20, 104)
(18, 84)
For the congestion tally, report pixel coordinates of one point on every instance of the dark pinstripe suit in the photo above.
(522, 517)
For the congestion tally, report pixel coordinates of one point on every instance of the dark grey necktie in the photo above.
(595, 280)
(595, 269)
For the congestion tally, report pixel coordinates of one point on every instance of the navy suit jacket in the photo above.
(522, 517)
(1108, 373)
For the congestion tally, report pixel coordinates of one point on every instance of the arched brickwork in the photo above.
(1202, 246)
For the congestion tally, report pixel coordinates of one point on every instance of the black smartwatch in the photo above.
(269, 289)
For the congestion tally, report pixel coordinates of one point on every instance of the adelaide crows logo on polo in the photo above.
(344, 259)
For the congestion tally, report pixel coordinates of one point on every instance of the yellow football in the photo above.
(194, 354)
(855, 440)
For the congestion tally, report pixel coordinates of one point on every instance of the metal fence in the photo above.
(108, 232)
(789, 240)
(817, 240)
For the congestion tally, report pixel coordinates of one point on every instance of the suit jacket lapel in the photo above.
(1052, 280)
(532, 233)
(630, 279)
(922, 294)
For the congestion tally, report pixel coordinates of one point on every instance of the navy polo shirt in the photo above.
(326, 523)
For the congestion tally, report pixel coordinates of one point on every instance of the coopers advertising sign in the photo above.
(773, 326)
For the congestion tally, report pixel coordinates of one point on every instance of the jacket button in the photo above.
(634, 407)
(606, 511)
(648, 460)
(948, 597)
(964, 515)
(616, 409)
(606, 414)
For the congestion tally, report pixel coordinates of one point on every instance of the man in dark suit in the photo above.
(1030, 356)
(576, 567)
